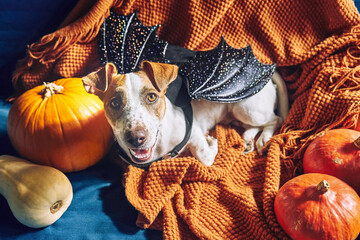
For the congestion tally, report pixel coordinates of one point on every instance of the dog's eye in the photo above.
(115, 103)
(151, 98)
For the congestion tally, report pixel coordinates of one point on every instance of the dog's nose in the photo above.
(136, 137)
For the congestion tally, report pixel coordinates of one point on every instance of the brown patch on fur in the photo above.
(116, 90)
(160, 74)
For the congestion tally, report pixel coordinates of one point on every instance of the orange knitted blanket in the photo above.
(315, 45)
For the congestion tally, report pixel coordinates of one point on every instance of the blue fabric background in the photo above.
(99, 209)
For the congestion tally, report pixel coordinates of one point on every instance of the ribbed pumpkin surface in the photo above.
(67, 130)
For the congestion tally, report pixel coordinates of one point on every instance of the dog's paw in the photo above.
(249, 139)
(209, 157)
(205, 151)
(248, 146)
(212, 142)
(262, 140)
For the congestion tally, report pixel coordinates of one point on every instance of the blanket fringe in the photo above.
(295, 142)
(344, 81)
(348, 76)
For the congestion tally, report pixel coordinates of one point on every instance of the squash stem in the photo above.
(56, 206)
(357, 143)
(51, 89)
(323, 186)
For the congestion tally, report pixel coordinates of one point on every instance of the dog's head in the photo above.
(134, 105)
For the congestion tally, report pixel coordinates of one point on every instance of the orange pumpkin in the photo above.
(318, 206)
(60, 125)
(336, 153)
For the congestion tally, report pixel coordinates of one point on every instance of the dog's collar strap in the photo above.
(188, 114)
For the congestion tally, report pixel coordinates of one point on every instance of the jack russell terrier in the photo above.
(147, 126)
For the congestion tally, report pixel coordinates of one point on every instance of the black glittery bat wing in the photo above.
(126, 42)
(225, 74)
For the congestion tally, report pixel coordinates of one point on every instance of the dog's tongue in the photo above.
(140, 151)
(141, 154)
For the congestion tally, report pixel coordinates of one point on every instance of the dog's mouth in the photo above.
(140, 155)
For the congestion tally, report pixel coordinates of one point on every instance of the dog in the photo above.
(147, 125)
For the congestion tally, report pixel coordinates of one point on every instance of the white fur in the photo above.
(256, 113)
(136, 114)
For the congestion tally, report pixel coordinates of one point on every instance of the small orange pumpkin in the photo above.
(318, 206)
(60, 125)
(336, 153)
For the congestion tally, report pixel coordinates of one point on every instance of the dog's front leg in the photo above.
(268, 130)
(249, 138)
(203, 147)
(267, 133)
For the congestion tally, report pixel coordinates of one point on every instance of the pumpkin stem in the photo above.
(357, 143)
(56, 206)
(323, 186)
(50, 89)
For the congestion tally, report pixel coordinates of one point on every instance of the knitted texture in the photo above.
(218, 202)
(315, 45)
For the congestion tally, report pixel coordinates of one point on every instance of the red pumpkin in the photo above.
(318, 206)
(336, 153)
(60, 125)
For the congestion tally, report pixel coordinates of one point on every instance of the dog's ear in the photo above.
(98, 82)
(160, 74)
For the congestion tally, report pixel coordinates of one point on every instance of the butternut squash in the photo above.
(37, 195)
